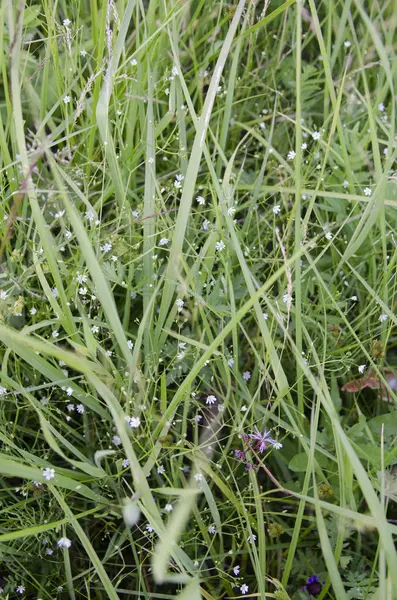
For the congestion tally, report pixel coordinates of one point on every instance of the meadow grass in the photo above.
(198, 251)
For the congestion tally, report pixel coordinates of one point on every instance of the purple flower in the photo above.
(263, 439)
(250, 466)
(313, 586)
(240, 455)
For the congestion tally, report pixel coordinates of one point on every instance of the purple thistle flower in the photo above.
(313, 586)
(264, 440)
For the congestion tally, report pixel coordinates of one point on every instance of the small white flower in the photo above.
(211, 400)
(33, 311)
(80, 409)
(125, 463)
(276, 209)
(179, 304)
(149, 528)
(205, 225)
(251, 538)
(230, 211)
(277, 445)
(304, 146)
(130, 344)
(178, 181)
(361, 369)
(164, 241)
(106, 247)
(49, 551)
(381, 107)
(345, 184)
(69, 391)
(3, 295)
(354, 298)
(3, 390)
(168, 508)
(316, 135)
(134, 422)
(265, 316)
(200, 200)
(236, 570)
(70, 407)
(347, 44)
(55, 292)
(81, 278)
(199, 477)
(66, 99)
(230, 362)
(20, 589)
(220, 246)
(244, 408)
(83, 53)
(287, 298)
(211, 529)
(244, 588)
(64, 542)
(55, 334)
(95, 329)
(67, 22)
(90, 216)
(133, 62)
(291, 155)
(368, 191)
(48, 473)
(161, 470)
(116, 440)
(247, 375)
(328, 235)
(383, 318)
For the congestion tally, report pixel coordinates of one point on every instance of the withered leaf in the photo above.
(372, 381)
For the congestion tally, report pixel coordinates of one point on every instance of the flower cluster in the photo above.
(256, 441)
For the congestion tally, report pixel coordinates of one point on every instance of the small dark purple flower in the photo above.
(249, 466)
(313, 586)
(240, 455)
(264, 440)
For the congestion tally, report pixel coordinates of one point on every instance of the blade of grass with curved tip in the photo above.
(268, 18)
(37, 529)
(172, 271)
(191, 592)
(12, 468)
(168, 539)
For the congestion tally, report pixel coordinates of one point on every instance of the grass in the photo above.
(198, 244)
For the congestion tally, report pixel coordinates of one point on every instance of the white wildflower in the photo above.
(48, 473)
